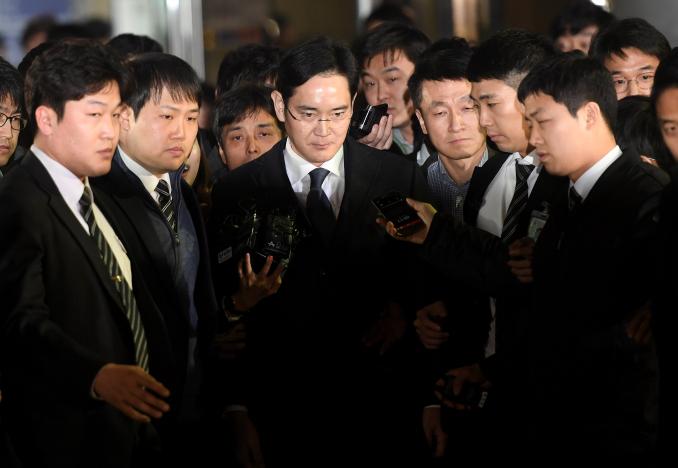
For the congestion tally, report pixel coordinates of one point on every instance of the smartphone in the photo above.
(394, 208)
(471, 395)
(364, 119)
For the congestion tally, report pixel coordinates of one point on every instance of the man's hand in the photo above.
(256, 286)
(638, 326)
(428, 325)
(387, 330)
(131, 390)
(424, 210)
(462, 376)
(247, 447)
(521, 252)
(381, 135)
(230, 343)
(433, 430)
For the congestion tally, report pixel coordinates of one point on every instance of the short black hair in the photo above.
(11, 85)
(666, 76)
(238, 104)
(38, 25)
(251, 63)
(129, 45)
(577, 16)
(319, 56)
(573, 79)
(70, 70)
(156, 71)
(446, 59)
(629, 33)
(508, 56)
(390, 39)
(637, 130)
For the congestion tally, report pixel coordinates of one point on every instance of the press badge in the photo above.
(538, 221)
(225, 255)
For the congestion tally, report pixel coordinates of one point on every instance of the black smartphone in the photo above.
(471, 395)
(364, 119)
(394, 208)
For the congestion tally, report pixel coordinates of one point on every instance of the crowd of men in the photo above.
(182, 294)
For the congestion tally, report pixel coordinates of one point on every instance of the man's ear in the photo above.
(592, 114)
(46, 119)
(222, 155)
(127, 119)
(278, 105)
(421, 121)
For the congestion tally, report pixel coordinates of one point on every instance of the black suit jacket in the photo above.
(308, 372)
(62, 320)
(123, 195)
(593, 386)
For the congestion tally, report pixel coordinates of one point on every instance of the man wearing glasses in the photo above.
(312, 366)
(631, 50)
(11, 119)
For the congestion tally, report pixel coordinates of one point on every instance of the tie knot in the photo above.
(86, 198)
(574, 199)
(317, 177)
(523, 171)
(163, 188)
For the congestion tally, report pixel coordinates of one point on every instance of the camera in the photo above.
(261, 233)
(394, 208)
(364, 119)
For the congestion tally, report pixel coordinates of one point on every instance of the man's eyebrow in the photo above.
(534, 113)
(643, 68)
(485, 97)
(176, 109)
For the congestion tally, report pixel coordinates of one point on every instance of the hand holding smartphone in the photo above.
(394, 208)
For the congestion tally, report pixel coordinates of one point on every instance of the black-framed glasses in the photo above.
(311, 117)
(16, 122)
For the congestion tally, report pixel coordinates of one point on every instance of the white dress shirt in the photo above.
(149, 180)
(500, 192)
(588, 179)
(298, 170)
(71, 189)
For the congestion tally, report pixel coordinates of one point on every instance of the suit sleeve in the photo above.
(469, 256)
(31, 340)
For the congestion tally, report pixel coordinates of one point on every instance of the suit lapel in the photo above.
(481, 179)
(65, 215)
(360, 172)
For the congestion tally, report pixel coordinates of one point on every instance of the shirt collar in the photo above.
(149, 180)
(588, 179)
(69, 185)
(298, 168)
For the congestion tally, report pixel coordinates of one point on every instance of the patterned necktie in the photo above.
(573, 200)
(509, 232)
(126, 295)
(165, 202)
(318, 206)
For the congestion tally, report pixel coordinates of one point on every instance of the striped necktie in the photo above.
(126, 294)
(509, 232)
(165, 202)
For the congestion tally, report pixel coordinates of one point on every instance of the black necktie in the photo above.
(126, 294)
(165, 202)
(509, 232)
(573, 200)
(318, 206)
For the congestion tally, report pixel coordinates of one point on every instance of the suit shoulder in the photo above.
(654, 177)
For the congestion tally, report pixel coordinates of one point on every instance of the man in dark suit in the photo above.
(78, 330)
(159, 220)
(315, 391)
(590, 388)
